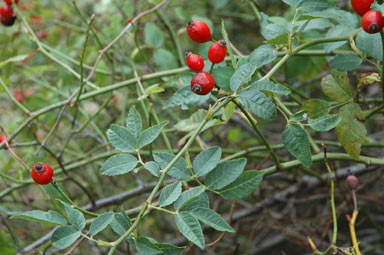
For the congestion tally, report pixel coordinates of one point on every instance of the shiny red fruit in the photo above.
(202, 83)
(3, 138)
(8, 21)
(42, 173)
(10, 2)
(372, 21)
(194, 61)
(361, 6)
(198, 31)
(217, 51)
(6, 11)
(352, 182)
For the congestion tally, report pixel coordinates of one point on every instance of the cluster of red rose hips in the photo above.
(372, 21)
(8, 16)
(203, 82)
(41, 173)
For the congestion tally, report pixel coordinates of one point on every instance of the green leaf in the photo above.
(190, 228)
(263, 55)
(270, 87)
(257, 103)
(121, 139)
(206, 161)
(315, 5)
(120, 224)
(153, 168)
(153, 35)
(370, 44)
(164, 59)
(242, 75)
(170, 194)
(145, 246)
(179, 169)
(293, 3)
(169, 249)
(150, 134)
(247, 182)
(64, 236)
(13, 59)
(316, 108)
(188, 196)
(76, 218)
(351, 132)
(119, 164)
(338, 30)
(225, 173)
(41, 216)
(222, 75)
(212, 219)
(201, 200)
(332, 89)
(345, 62)
(134, 123)
(226, 38)
(325, 123)
(272, 31)
(185, 98)
(295, 139)
(101, 222)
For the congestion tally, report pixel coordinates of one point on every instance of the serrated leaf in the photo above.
(351, 132)
(119, 164)
(293, 3)
(164, 59)
(296, 141)
(41, 216)
(190, 228)
(247, 182)
(212, 219)
(188, 196)
(101, 222)
(201, 200)
(315, 5)
(153, 168)
(121, 139)
(206, 161)
(170, 194)
(185, 98)
(334, 90)
(134, 123)
(150, 134)
(145, 246)
(370, 44)
(325, 123)
(270, 87)
(242, 75)
(271, 31)
(222, 75)
(120, 224)
(338, 30)
(257, 103)
(316, 108)
(169, 249)
(225, 173)
(76, 218)
(64, 236)
(345, 62)
(179, 169)
(263, 55)
(153, 35)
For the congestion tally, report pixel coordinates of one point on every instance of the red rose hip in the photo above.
(202, 83)
(361, 6)
(10, 2)
(6, 11)
(217, 51)
(3, 138)
(194, 61)
(372, 21)
(8, 21)
(198, 31)
(42, 173)
(352, 182)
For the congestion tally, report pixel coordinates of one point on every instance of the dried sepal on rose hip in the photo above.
(202, 83)
(194, 61)
(352, 182)
(41, 173)
(361, 6)
(372, 21)
(198, 31)
(217, 51)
